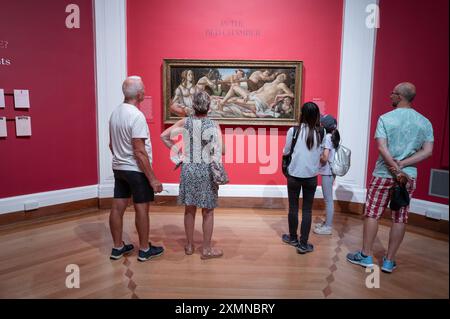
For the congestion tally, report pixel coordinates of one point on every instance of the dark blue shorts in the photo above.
(127, 183)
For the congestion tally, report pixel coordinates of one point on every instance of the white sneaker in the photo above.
(323, 230)
(319, 225)
(316, 226)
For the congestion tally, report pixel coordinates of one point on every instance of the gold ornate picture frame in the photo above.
(265, 93)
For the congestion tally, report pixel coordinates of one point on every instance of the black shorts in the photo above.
(127, 183)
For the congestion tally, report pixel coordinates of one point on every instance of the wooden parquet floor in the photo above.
(256, 264)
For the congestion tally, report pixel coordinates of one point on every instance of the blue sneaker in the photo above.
(358, 259)
(118, 253)
(153, 252)
(388, 265)
(288, 239)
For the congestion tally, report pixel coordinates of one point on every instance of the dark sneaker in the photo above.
(286, 238)
(153, 252)
(303, 249)
(118, 253)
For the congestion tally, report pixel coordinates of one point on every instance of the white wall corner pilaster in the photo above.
(111, 70)
(355, 96)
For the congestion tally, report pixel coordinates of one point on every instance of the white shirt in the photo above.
(127, 122)
(305, 163)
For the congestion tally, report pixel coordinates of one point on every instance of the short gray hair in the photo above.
(201, 102)
(132, 86)
(407, 90)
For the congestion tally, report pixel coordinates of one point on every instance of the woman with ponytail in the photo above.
(302, 174)
(329, 146)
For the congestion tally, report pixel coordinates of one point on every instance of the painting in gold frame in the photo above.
(265, 93)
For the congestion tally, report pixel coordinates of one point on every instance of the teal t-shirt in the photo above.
(406, 131)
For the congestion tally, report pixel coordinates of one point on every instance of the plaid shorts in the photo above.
(378, 198)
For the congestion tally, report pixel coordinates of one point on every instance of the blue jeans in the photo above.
(327, 190)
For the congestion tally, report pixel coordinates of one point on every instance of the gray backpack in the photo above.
(341, 161)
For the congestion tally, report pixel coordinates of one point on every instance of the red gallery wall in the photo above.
(57, 65)
(412, 45)
(306, 30)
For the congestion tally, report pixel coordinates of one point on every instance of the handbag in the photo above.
(398, 193)
(286, 160)
(399, 197)
(219, 175)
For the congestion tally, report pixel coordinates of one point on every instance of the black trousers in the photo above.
(295, 185)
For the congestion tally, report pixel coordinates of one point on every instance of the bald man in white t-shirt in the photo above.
(133, 173)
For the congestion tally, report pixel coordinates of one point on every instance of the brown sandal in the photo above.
(211, 253)
(189, 249)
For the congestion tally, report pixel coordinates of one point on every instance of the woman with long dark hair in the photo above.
(302, 174)
(329, 147)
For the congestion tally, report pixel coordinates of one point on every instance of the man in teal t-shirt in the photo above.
(404, 138)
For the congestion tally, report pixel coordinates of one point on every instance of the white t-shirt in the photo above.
(304, 163)
(127, 122)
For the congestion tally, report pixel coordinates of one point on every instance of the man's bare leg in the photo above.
(370, 233)
(142, 224)
(235, 90)
(119, 206)
(395, 239)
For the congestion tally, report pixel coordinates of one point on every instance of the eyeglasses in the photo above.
(395, 93)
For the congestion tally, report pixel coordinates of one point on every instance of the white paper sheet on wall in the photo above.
(23, 126)
(2, 98)
(3, 131)
(21, 99)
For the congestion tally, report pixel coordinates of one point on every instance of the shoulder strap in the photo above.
(294, 139)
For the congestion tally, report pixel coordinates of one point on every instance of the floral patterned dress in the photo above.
(197, 187)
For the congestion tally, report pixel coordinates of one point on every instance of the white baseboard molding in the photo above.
(106, 190)
(422, 207)
(17, 203)
(341, 192)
